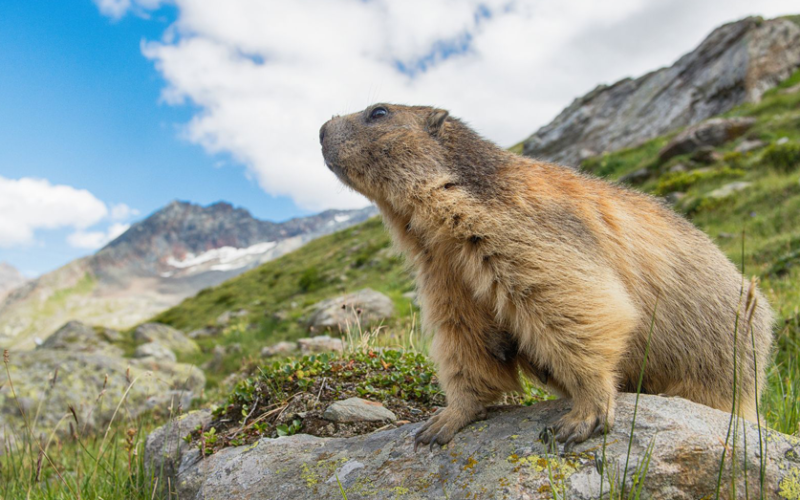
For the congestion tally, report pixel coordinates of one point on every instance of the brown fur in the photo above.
(524, 265)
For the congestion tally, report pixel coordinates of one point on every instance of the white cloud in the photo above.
(93, 240)
(121, 211)
(27, 205)
(266, 74)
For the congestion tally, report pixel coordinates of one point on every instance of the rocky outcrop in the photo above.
(713, 132)
(172, 339)
(76, 369)
(736, 63)
(501, 457)
(365, 306)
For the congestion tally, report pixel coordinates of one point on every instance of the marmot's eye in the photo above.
(378, 112)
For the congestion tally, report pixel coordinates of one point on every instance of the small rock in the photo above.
(226, 317)
(171, 338)
(215, 364)
(727, 190)
(358, 410)
(673, 198)
(279, 348)
(585, 154)
(280, 316)
(726, 236)
(201, 333)
(320, 343)
(706, 155)
(782, 141)
(154, 350)
(677, 168)
(747, 146)
(635, 177)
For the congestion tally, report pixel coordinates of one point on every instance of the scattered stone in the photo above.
(727, 190)
(635, 177)
(154, 350)
(320, 343)
(677, 168)
(367, 305)
(281, 348)
(686, 440)
(713, 132)
(226, 317)
(280, 316)
(110, 335)
(782, 141)
(169, 337)
(675, 197)
(726, 236)
(215, 363)
(202, 333)
(358, 410)
(706, 155)
(749, 145)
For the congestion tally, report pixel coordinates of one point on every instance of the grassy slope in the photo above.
(767, 214)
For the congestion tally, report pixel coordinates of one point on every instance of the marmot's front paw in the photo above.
(440, 428)
(575, 428)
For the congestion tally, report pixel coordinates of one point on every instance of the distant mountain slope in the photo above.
(10, 278)
(736, 63)
(157, 262)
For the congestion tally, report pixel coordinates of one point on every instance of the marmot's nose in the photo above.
(322, 132)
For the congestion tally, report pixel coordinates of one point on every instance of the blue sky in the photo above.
(81, 107)
(113, 108)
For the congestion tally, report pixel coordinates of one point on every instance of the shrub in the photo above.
(311, 280)
(783, 157)
(681, 181)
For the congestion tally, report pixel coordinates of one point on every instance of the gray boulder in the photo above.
(167, 336)
(501, 457)
(736, 63)
(52, 381)
(320, 343)
(154, 350)
(700, 138)
(77, 336)
(334, 314)
(281, 348)
(358, 410)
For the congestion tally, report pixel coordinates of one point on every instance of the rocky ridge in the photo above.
(736, 63)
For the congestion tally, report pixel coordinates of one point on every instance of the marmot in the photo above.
(527, 266)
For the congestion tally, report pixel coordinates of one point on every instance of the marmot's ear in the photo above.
(436, 120)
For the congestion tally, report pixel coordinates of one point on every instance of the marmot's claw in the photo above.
(600, 429)
(546, 436)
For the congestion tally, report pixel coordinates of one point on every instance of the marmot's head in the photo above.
(388, 148)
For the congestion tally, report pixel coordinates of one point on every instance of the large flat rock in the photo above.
(500, 458)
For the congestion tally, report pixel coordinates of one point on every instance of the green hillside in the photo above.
(277, 295)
